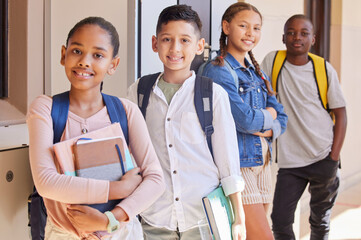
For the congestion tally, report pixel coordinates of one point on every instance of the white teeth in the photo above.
(174, 58)
(84, 74)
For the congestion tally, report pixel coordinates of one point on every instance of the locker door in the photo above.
(203, 8)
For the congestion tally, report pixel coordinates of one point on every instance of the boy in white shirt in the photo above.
(189, 168)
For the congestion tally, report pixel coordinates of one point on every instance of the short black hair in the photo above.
(297, 16)
(179, 13)
(104, 24)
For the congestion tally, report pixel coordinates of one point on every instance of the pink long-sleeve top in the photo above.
(59, 190)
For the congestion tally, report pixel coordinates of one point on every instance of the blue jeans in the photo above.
(323, 181)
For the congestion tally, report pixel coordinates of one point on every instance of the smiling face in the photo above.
(88, 57)
(298, 37)
(243, 32)
(177, 43)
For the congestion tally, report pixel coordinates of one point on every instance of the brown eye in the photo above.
(97, 55)
(76, 51)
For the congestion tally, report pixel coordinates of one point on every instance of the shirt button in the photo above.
(170, 145)
(84, 130)
(177, 199)
(241, 89)
(168, 119)
(175, 172)
(258, 90)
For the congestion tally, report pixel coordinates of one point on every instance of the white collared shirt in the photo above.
(189, 170)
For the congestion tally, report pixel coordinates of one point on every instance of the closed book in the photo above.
(101, 154)
(64, 150)
(103, 159)
(219, 213)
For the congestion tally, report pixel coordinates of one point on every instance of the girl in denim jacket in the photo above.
(259, 118)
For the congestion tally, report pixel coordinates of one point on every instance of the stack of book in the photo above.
(102, 154)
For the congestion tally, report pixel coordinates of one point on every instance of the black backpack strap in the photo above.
(117, 113)
(37, 216)
(203, 102)
(59, 114)
(145, 85)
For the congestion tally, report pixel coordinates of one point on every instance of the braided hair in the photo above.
(228, 16)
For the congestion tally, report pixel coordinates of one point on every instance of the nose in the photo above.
(84, 61)
(175, 47)
(297, 36)
(249, 31)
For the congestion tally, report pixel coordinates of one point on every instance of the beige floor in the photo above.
(346, 216)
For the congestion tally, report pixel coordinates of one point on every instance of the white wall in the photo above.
(151, 9)
(274, 13)
(218, 8)
(64, 14)
(349, 57)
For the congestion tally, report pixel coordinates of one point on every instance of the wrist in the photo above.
(334, 156)
(115, 190)
(113, 224)
(120, 214)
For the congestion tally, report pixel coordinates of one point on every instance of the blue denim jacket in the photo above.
(248, 103)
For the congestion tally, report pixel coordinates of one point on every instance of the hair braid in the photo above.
(219, 60)
(259, 73)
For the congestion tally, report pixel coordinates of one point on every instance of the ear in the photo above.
(284, 39)
(225, 27)
(154, 43)
(113, 66)
(200, 46)
(63, 51)
(313, 40)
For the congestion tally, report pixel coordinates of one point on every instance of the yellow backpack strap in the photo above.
(278, 63)
(319, 65)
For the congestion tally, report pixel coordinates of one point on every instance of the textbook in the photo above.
(219, 213)
(101, 154)
(103, 159)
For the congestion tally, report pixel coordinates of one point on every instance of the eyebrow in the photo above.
(79, 44)
(168, 34)
(245, 21)
(302, 29)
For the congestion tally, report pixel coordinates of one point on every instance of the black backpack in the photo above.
(203, 93)
(59, 114)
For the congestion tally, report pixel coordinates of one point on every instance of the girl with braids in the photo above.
(259, 118)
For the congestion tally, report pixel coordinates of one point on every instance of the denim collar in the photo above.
(235, 64)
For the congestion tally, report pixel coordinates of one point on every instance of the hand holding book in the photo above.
(126, 185)
(101, 154)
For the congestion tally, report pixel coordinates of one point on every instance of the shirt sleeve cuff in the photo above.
(268, 120)
(276, 129)
(232, 184)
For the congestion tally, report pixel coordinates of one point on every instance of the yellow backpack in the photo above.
(320, 72)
